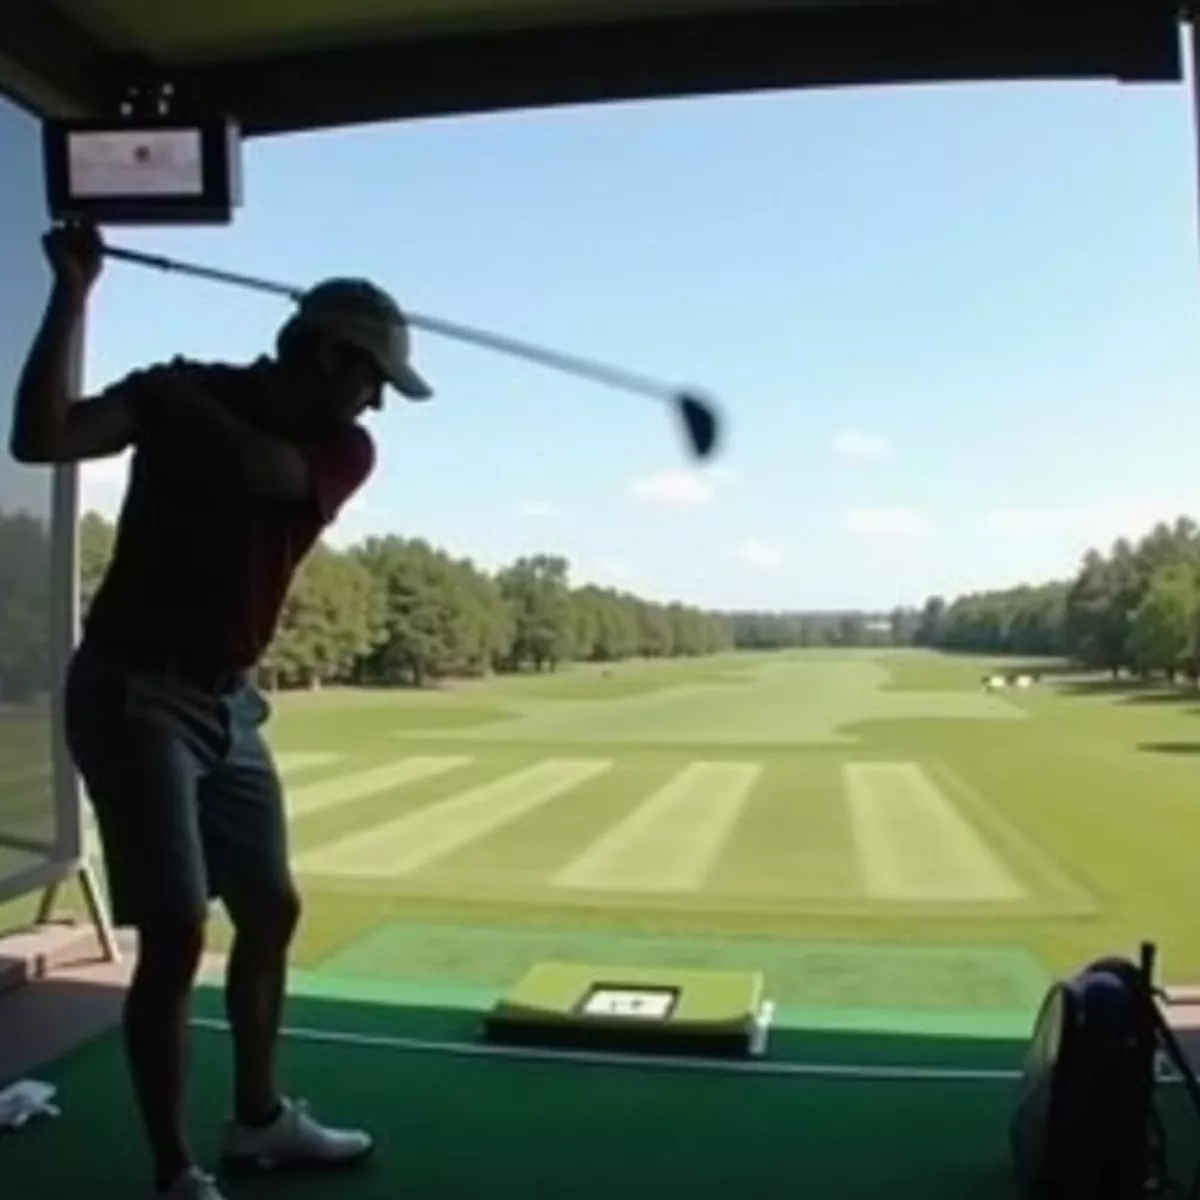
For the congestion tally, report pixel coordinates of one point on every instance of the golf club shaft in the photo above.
(162, 263)
(598, 372)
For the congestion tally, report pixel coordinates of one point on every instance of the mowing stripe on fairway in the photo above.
(670, 841)
(419, 838)
(25, 776)
(912, 843)
(290, 762)
(342, 789)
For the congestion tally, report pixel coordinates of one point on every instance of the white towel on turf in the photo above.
(22, 1101)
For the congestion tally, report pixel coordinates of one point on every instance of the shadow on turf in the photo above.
(1131, 691)
(1180, 749)
(475, 1127)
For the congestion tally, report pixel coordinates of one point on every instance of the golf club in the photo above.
(700, 423)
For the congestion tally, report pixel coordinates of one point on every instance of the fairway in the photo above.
(692, 795)
(873, 802)
(912, 842)
(671, 840)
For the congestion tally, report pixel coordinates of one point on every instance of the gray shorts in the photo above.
(188, 803)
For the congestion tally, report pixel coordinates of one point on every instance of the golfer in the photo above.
(236, 471)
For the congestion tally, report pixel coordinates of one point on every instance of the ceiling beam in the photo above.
(51, 67)
(740, 50)
(48, 65)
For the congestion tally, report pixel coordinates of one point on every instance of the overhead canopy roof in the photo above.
(283, 65)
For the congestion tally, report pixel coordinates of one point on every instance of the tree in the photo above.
(426, 616)
(329, 621)
(539, 595)
(97, 539)
(24, 607)
(1100, 607)
(1166, 622)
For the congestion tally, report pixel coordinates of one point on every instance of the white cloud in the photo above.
(538, 509)
(854, 443)
(760, 553)
(895, 522)
(678, 488)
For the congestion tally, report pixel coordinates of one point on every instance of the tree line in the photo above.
(1134, 608)
(397, 611)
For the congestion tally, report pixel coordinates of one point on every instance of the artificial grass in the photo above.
(485, 1126)
(482, 1127)
(939, 979)
(454, 1012)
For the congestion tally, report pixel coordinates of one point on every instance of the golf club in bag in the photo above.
(700, 423)
(1086, 1126)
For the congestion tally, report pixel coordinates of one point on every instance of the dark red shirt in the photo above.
(201, 577)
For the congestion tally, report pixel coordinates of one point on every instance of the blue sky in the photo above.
(953, 329)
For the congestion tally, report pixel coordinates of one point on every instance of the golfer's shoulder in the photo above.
(234, 380)
(220, 379)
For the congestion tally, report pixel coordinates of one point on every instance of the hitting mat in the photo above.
(945, 981)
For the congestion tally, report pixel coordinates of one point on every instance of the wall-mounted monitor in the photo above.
(157, 171)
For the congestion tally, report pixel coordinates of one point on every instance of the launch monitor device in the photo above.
(662, 1011)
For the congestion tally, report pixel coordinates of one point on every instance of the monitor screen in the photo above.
(134, 162)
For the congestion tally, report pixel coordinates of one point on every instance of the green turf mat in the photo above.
(486, 1128)
(945, 979)
(442, 1013)
(477, 1127)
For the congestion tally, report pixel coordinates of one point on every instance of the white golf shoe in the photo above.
(295, 1139)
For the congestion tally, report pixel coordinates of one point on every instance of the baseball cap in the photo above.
(361, 314)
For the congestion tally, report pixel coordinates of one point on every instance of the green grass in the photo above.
(1082, 797)
(1100, 830)
(26, 801)
(940, 981)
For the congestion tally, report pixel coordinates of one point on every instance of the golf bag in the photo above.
(1085, 1125)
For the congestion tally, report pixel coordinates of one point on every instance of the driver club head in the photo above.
(700, 423)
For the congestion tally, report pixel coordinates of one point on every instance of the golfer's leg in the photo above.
(155, 1030)
(244, 830)
(245, 834)
(140, 776)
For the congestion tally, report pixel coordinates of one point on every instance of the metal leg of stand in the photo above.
(45, 910)
(98, 911)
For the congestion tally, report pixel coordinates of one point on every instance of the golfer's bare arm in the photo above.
(49, 424)
(202, 440)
